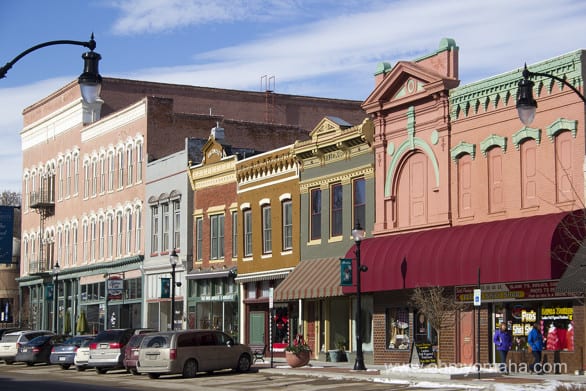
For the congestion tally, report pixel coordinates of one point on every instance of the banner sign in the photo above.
(346, 271)
(6, 228)
(510, 291)
(165, 288)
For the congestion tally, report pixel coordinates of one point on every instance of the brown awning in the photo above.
(574, 278)
(311, 279)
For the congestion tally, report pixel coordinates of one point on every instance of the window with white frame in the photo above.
(176, 224)
(315, 217)
(74, 243)
(110, 223)
(234, 234)
(166, 224)
(247, 215)
(128, 231)
(199, 239)
(130, 168)
(251, 290)
(138, 229)
(287, 225)
(60, 245)
(61, 181)
(336, 204)
(93, 240)
(217, 236)
(102, 174)
(359, 200)
(154, 229)
(67, 247)
(94, 177)
(68, 176)
(120, 168)
(102, 236)
(139, 162)
(119, 233)
(86, 181)
(85, 242)
(111, 170)
(267, 240)
(75, 174)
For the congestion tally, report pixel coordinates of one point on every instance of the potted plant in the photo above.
(339, 355)
(297, 354)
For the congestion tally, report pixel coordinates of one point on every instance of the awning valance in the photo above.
(262, 276)
(574, 278)
(204, 275)
(522, 249)
(311, 279)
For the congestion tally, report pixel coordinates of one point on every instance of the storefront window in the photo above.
(397, 328)
(423, 332)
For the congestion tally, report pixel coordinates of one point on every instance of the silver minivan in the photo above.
(191, 351)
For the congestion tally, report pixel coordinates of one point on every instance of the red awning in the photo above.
(522, 249)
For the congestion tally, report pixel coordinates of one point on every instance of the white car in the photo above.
(11, 341)
(82, 355)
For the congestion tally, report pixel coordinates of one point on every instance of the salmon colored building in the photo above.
(466, 195)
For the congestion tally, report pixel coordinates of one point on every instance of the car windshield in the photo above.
(86, 343)
(109, 335)
(156, 341)
(10, 338)
(74, 340)
(39, 340)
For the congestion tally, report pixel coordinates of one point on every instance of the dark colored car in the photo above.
(63, 354)
(131, 351)
(38, 350)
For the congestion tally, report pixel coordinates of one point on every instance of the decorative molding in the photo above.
(526, 133)
(114, 122)
(344, 176)
(463, 148)
(562, 124)
(492, 141)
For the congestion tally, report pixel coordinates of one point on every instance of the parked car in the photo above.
(107, 349)
(11, 341)
(38, 350)
(82, 355)
(132, 349)
(191, 351)
(64, 353)
(9, 330)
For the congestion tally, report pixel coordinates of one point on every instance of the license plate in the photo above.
(152, 356)
(62, 358)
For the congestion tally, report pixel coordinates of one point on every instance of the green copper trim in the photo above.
(444, 45)
(382, 67)
(492, 141)
(461, 149)
(526, 133)
(562, 124)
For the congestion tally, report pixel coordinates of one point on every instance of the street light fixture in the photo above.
(90, 81)
(56, 270)
(526, 104)
(358, 235)
(173, 260)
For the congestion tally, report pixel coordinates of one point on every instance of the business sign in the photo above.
(6, 233)
(165, 288)
(510, 291)
(115, 288)
(346, 271)
(477, 297)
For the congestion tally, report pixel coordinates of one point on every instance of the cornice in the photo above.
(115, 121)
(343, 176)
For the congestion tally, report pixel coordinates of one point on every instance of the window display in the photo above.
(398, 332)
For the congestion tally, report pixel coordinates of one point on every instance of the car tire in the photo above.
(29, 364)
(80, 368)
(154, 375)
(244, 363)
(8, 362)
(134, 372)
(101, 371)
(190, 369)
(65, 366)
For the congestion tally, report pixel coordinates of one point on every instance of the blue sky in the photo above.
(327, 48)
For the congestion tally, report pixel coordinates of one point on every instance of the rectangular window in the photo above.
(93, 241)
(111, 172)
(94, 178)
(199, 238)
(61, 181)
(119, 233)
(176, 224)
(75, 174)
(267, 242)
(128, 232)
(287, 225)
(138, 230)
(102, 239)
(86, 180)
(165, 223)
(336, 203)
(247, 233)
(359, 201)
(68, 174)
(110, 236)
(315, 218)
(85, 242)
(217, 237)
(130, 168)
(74, 245)
(234, 234)
(102, 174)
(154, 229)
(397, 328)
(67, 246)
(120, 169)
(138, 162)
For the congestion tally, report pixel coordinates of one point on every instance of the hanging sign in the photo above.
(346, 271)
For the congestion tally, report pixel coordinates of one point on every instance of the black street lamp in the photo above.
(56, 270)
(90, 81)
(526, 104)
(173, 260)
(358, 235)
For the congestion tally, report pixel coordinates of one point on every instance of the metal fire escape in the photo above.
(43, 202)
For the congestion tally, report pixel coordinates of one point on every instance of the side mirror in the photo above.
(229, 343)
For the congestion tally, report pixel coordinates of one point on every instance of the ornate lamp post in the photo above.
(56, 270)
(358, 235)
(526, 104)
(90, 80)
(173, 260)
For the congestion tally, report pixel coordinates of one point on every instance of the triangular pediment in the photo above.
(212, 151)
(407, 82)
(328, 125)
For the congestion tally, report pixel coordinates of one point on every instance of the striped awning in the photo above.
(311, 279)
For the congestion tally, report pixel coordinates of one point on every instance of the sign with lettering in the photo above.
(510, 291)
(422, 354)
(346, 271)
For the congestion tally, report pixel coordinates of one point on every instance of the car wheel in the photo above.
(101, 371)
(134, 372)
(243, 363)
(190, 369)
(80, 368)
(8, 362)
(65, 366)
(154, 375)
(29, 364)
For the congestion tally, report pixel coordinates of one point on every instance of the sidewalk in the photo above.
(406, 375)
